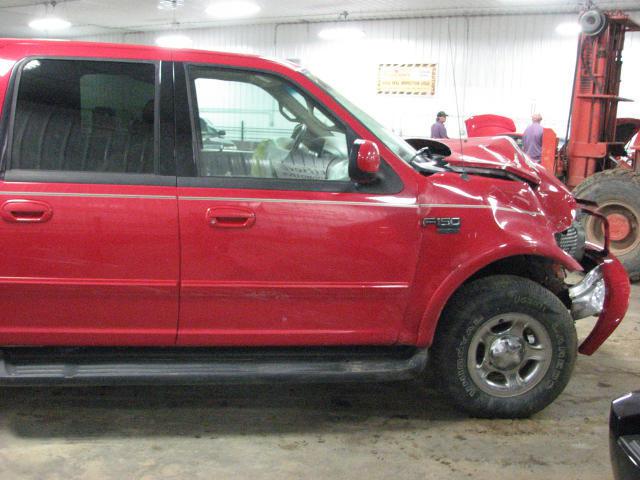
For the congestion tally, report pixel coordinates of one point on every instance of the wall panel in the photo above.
(511, 65)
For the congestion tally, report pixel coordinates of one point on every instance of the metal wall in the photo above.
(510, 65)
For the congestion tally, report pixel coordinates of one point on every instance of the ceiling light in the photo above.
(341, 33)
(228, 10)
(170, 4)
(568, 29)
(174, 40)
(48, 24)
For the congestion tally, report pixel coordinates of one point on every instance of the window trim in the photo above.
(76, 176)
(389, 181)
(94, 178)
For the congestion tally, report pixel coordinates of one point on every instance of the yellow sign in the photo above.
(407, 78)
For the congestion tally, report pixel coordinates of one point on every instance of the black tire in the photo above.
(616, 191)
(476, 305)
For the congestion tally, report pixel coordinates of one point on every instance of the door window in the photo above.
(250, 124)
(85, 116)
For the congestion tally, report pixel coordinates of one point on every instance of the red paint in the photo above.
(595, 98)
(101, 271)
(489, 125)
(304, 273)
(619, 226)
(230, 217)
(616, 303)
(493, 152)
(25, 211)
(150, 265)
(368, 157)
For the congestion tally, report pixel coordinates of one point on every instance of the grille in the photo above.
(572, 240)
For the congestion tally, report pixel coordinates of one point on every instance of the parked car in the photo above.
(133, 253)
(624, 437)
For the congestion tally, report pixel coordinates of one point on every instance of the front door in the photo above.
(278, 246)
(89, 223)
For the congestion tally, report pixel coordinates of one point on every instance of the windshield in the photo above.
(392, 141)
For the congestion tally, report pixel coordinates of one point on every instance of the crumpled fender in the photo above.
(523, 237)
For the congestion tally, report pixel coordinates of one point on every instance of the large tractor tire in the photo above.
(617, 192)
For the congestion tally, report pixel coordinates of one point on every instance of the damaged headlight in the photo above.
(587, 297)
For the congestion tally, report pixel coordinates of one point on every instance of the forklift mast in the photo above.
(591, 145)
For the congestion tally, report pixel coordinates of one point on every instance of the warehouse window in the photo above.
(85, 116)
(250, 124)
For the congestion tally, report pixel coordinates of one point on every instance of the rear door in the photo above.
(279, 247)
(88, 209)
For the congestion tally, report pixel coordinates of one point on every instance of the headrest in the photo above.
(148, 113)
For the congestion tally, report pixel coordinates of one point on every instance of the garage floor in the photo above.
(313, 432)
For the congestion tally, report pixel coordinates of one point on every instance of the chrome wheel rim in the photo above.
(509, 355)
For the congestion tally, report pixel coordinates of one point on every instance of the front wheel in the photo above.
(505, 347)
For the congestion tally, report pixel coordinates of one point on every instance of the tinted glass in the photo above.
(85, 116)
(250, 124)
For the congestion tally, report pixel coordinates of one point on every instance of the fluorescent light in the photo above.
(228, 10)
(49, 24)
(174, 41)
(341, 33)
(170, 4)
(568, 29)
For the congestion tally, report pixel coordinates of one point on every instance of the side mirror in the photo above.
(364, 161)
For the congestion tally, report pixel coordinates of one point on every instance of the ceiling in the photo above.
(94, 17)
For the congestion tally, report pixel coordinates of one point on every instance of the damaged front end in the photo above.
(604, 291)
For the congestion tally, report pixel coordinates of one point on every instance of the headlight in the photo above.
(587, 297)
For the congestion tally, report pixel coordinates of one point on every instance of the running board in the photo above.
(149, 366)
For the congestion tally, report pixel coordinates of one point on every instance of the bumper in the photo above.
(624, 437)
(616, 299)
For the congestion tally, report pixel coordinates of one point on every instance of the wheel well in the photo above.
(541, 270)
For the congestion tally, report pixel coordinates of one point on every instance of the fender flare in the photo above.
(433, 311)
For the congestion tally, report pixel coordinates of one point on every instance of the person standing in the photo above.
(438, 129)
(532, 138)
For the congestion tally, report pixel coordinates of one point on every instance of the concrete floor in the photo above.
(399, 431)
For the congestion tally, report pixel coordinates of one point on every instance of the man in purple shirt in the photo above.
(532, 138)
(437, 129)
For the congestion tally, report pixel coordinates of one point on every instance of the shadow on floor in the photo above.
(77, 413)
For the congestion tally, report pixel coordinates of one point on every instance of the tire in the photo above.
(617, 192)
(464, 340)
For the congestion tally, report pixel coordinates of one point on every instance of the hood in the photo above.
(499, 153)
(489, 125)
(502, 153)
(481, 156)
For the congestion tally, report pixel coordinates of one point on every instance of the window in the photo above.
(256, 125)
(85, 116)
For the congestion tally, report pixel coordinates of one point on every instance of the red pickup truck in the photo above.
(199, 217)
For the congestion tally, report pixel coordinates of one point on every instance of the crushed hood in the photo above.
(500, 153)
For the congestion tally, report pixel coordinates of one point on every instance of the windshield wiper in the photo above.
(425, 161)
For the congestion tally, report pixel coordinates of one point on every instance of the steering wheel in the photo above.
(298, 133)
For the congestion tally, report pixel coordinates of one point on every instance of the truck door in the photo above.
(88, 209)
(278, 246)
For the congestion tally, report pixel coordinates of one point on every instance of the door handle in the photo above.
(25, 211)
(230, 217)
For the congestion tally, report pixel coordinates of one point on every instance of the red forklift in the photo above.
(600, 160)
